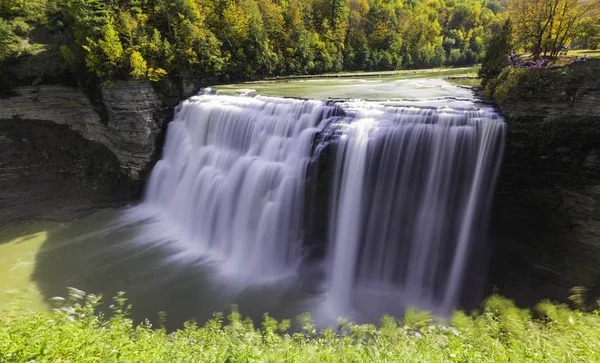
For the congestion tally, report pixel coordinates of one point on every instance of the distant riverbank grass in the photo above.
(500, 332)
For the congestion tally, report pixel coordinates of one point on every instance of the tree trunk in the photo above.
(537, 50)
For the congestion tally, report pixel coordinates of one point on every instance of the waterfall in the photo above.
(232, 178)
(402, 210)
(412, 190)
(349, 208)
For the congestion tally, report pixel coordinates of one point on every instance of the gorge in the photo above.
(338, 130)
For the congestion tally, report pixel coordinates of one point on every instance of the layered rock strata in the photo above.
(547, 211)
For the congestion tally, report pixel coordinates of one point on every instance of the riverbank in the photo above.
(414, 73)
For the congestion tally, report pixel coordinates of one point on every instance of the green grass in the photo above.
(590, 53)
(500, 332)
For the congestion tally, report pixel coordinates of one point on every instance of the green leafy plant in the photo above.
(500, 332)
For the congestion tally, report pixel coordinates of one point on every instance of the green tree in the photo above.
(177, 39)
(496, 57)
(298, 54)
(104, 57)
(9, 41)
(546, 25)
(139, 67)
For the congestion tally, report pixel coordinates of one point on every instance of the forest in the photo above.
(99, 41)
(242, 39)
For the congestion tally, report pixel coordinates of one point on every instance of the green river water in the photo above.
(40, 259)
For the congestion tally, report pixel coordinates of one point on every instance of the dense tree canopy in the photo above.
(247, 38)
(495, 60)
(243, 39)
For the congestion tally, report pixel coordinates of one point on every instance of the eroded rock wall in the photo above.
(49, 170)
(120, 131)
(135, 117)
(59, 104)
(546, 221)
(127, 117)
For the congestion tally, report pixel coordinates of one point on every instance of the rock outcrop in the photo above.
(126, 119)
(49, 170)
(547, 213)
(59, 104)
(121, 128)
(135, 117)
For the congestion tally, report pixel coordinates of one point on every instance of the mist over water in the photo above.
(399, 216)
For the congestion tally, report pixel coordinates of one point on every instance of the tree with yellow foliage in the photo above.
(545, 26)
(171, 40)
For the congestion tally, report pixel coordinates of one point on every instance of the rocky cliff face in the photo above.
(48, 170)
(135, 117)
(118, 132)
(126, 119)
(547, 216)
(59, 104)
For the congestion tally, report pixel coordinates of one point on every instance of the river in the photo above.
(162, 266)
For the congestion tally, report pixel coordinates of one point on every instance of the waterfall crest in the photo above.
(402, 212)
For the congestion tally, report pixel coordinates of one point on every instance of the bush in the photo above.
(506, 85)
(501, 332)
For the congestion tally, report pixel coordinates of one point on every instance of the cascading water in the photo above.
(232, 179)
(407, 197)
(411, 192)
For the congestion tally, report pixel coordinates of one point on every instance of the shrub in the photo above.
(501, 332)
(506, 85)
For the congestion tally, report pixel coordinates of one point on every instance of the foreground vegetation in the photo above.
(500, 332)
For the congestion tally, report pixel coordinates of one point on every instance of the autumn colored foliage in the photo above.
(244, 39)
